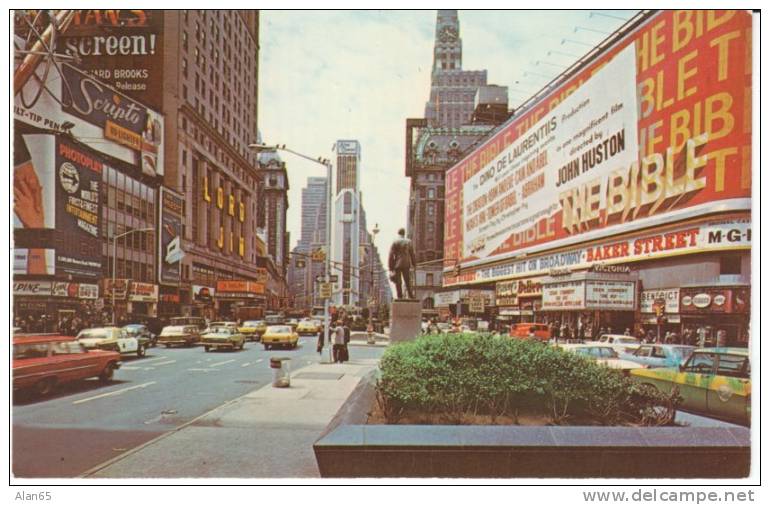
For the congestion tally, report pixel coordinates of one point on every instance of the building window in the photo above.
(431, 193)
(428, 279)
(730, 264)
(184, 40)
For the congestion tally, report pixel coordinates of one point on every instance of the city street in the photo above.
(85, 424)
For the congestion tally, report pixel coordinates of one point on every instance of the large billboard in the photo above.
(656, 130)
(123, 48)
(57, 187)
(78, 103)
(170, 252)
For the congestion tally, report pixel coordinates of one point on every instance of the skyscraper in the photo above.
(312, 236)
(346, 224)
(456, 118)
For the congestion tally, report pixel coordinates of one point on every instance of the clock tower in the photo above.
(448, 48)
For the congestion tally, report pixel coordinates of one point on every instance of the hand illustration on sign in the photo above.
(28, 196)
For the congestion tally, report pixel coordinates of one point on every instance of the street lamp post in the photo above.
(375, 231)
(261, 147)
(115, 262)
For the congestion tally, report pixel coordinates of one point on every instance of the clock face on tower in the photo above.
(448, 34)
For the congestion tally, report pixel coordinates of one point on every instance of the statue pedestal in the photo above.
(405, 319)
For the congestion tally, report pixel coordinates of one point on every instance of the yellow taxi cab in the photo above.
(253, 330)
(308, 327)
(714, 382)
(282, 335)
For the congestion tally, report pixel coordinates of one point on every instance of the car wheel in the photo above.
(206, 348)
(107, 373)
(240, 347)
(140, 351)
(45, 386)
(267, 347)
(294, 346)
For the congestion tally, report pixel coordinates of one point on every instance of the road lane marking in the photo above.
(124, 367)
(164, 362)
(221, 363)
(260, 360)
(202, 369)
(113, 393)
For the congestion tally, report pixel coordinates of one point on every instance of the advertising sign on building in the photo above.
(78, 210)
(115, 124)
(203, 294)
(123, 48)
(170, 252)
(709, 300)
(32, 288)
(143, 292)
(57, 206)
(506, 293)
(567, 295)
(239, 289)
(709, 234)
(120, 287)
(669, 296)
(656, 126)
(34, 261)
(610, 295)
(122, 119)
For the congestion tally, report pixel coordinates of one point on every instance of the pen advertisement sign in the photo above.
(657, 126)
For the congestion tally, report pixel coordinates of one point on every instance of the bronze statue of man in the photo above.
(400, 262)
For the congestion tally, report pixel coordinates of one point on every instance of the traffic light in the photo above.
(658, 310)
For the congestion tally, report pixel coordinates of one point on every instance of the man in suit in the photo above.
(400, 261)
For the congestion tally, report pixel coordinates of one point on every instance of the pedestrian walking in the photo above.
(702, 332)
(338, 343)
(345, 353)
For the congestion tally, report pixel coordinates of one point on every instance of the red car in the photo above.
(40, 363)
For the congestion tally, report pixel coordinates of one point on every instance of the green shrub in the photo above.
(460, 374)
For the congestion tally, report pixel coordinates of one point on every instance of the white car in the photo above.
(603, 354)
(112, 338)
(621, 343)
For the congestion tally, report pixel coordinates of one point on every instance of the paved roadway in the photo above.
(87, 423)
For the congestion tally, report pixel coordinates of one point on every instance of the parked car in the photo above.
(308, 327)
(112, 338)
(222, 337)
(659, 355)
(253, 330)
(537, 331)
(621, 343)
(186, 335)
(142, 331)
(40, 363)
(280, 335)
(199, 322)
(226, 324)
(602, 354)
(715, 382)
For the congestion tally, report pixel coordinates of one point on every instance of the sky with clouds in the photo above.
(329, 75)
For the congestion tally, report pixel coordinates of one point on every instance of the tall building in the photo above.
(210, 75)
(345, 252)
(312, 235)
(275, 202)
(461, 109)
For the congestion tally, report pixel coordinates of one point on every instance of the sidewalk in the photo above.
(268, 433)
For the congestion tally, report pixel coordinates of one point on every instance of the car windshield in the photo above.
(279, 329)
(134, 328)
(221, 330)
(251, 324)
(626, 340)
(172, 330)
(681, 353)
(95, 333)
